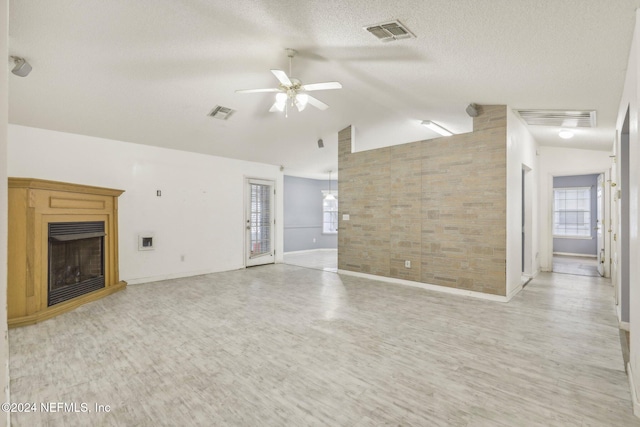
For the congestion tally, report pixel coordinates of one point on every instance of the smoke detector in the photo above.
(389, 31)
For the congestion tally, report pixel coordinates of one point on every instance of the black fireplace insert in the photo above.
(76, 259)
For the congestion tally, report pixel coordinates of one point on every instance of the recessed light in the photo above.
(565, 134)
(436, 128)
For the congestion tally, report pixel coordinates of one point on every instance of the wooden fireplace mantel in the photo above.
(33, 204)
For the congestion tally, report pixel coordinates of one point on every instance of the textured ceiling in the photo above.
(149, 71)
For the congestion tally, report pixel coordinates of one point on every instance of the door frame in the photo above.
(607, 213)
(601, 224)
(246, 206)
(527, 206)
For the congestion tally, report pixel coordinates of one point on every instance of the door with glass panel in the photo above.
(259, 222)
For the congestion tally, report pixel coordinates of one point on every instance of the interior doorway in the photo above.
(311, 222)
(575, 219)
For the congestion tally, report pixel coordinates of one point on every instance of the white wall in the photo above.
(521, 151)
(200, 214)
(4, 114)
(630, 98)
(553, 161)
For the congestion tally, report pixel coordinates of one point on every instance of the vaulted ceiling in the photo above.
(150, 71)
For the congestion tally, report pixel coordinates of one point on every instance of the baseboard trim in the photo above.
(634, 395)
(429, 286)
(515, 291)
(181, 275)
(572, 254)
(310, 250)
(624, 326)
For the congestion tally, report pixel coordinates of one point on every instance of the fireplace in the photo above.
(76, 259)
(63, 248)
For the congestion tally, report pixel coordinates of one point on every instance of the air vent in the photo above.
(559, 118)
(222, 113)
(390, 31)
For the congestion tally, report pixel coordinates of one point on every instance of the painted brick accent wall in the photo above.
(440, 204)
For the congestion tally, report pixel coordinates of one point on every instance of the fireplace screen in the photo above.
(76, 259)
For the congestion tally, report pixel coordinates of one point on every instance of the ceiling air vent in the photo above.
(389, 31)
(559, 118)
(222, 113)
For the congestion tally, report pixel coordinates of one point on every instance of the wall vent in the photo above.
(559, 118)
(222, 113)
(389, 31)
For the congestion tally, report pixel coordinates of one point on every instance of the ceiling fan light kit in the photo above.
(291, 92)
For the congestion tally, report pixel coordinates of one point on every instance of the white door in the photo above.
(600, 223)
(259, 222)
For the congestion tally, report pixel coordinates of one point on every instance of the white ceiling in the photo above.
(149, 71)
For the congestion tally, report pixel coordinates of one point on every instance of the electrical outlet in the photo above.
(407, 264)
(314, 240)
(182, 258)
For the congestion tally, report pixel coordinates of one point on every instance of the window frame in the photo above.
(556, 210)
(326, 231)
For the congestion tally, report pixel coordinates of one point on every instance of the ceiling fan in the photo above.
(291, 92)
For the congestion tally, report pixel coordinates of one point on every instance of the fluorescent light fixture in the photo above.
(565, 134)
(436, 128)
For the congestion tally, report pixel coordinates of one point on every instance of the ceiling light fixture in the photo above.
(281, 101)
(22, 67)
(330, 195)
(436, 128)
(565, 134)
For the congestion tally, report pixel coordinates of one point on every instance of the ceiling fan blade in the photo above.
(258, 90)
(317, 103)
(282, 77)
(322, 86)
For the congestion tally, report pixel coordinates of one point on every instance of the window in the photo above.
(572, 212)
(329, 212)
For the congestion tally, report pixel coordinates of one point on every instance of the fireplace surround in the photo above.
(63, 247)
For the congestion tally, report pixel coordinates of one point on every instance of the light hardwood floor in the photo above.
(320, 259)
(581, 266)
(286, 346)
